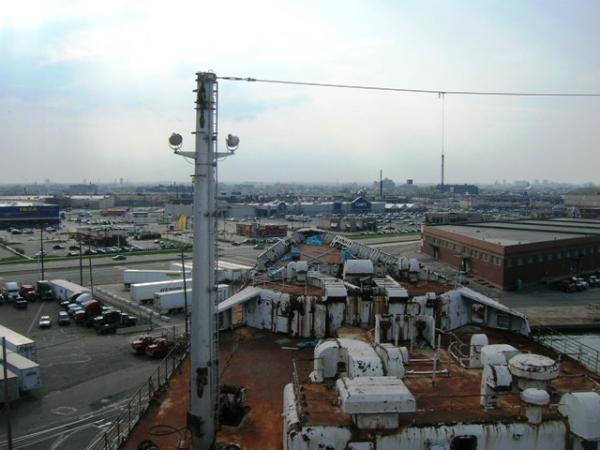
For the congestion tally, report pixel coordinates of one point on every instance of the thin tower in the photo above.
(442, 97)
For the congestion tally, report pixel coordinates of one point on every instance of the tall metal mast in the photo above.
(204, 396)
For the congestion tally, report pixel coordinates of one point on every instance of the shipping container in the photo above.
(18, 343)
(137, 276)
(175, 300)
(64, 289)
(227, 272)
(143, 292)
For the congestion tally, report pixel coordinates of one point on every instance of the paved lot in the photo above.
(82, 374)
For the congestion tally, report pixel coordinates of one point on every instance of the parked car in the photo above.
(73, 253)
(107, 328)
(45, 322)
(20, 303)
(119, 258)
(58, 247)
(73, 247)
(63, 318)
(65, 303)
(72, 308)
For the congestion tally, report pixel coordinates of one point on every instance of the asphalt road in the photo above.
(107, 271)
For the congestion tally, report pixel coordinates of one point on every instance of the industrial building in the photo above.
(28, 214)
(348, 223)
(258, 230)
(511, 254)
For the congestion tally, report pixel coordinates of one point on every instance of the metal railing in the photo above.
(569, 346)
(118, 432)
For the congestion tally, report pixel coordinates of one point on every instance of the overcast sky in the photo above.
(92, 89)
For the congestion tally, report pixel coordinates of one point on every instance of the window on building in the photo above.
(509, 262)
(477, 313)
(540, 258)
(503, 321)
(464, 443)
(550, 256)
(559, 255)
(519, 261)
(530, 260)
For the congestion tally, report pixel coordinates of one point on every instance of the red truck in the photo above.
(27, 291)
(139, 345)
(91, 308)
(159, 348)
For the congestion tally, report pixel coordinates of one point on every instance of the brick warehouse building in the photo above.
(508, 254)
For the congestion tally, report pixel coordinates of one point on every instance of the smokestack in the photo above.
(380, 183)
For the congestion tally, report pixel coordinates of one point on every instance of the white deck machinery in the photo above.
(203, 408)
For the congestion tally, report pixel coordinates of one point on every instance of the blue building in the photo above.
(26, 214)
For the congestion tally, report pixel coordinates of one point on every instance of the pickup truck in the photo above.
(159, 348)
(139, 345)
(27, 291)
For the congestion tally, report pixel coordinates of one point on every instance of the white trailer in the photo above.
(227, 272)
(13, 385)
(18, 343)
(64, 289)
(143, 292)
(27, 370)
(175, 300)
(137, 276)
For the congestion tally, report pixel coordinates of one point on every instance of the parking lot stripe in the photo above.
(35, 318)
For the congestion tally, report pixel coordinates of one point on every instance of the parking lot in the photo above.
(82, 373)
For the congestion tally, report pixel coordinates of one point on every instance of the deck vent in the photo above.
(533, 371)
(535, 399)
(478, 341)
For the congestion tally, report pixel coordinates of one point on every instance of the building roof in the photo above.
(504, 237)
(524, 231)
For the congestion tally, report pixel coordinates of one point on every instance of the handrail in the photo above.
(569, 347)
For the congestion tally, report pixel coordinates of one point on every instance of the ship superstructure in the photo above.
(335, 345)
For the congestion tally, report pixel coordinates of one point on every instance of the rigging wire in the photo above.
(415, 91)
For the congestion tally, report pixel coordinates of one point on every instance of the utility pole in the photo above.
(90, 265)
(42, 249)
(80, 264)
(6, 399)
(204, 398)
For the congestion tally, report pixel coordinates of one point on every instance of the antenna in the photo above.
(204, 395)
(442, 97)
